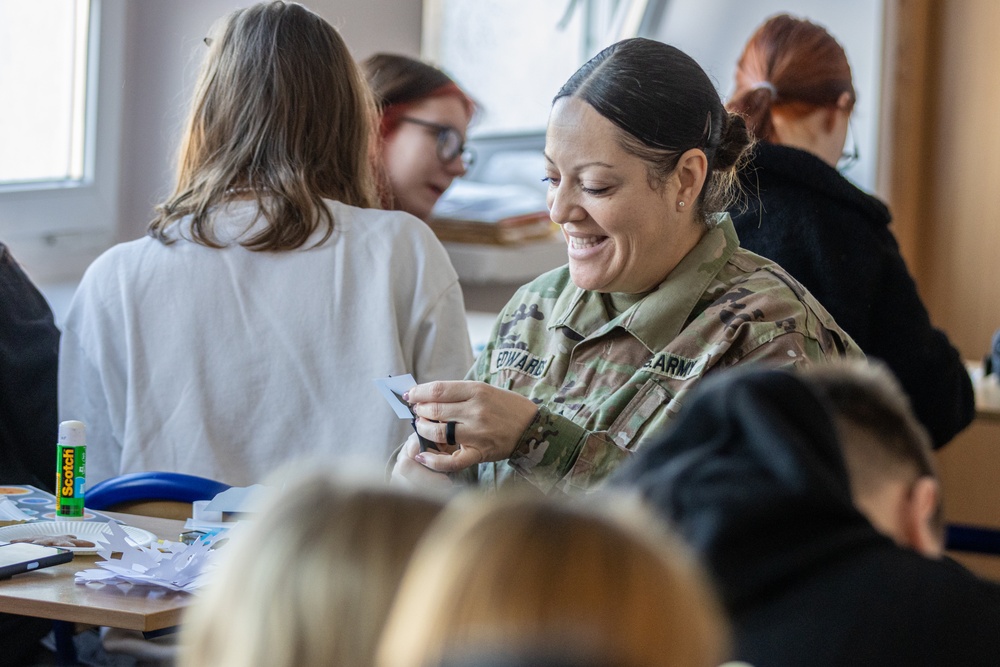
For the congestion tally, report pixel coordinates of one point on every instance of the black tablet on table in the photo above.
(18, 557)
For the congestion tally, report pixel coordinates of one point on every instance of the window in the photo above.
(43, 67)
(513, 55)
(62, 72)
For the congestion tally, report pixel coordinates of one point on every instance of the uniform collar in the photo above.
(659, 317)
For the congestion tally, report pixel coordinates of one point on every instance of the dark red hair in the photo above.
(400, 82)
(391, 114)
(789, 64)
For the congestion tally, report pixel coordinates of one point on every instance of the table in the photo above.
(52, 592)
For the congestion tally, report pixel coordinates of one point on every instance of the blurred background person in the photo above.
(246, 329)
(589, 361)
(508, 574)
(425, 116)
(794, 87)
(310, 581)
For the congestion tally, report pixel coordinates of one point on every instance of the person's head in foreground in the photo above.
(311, 580)
(281, 115)
(793, 85)
(524, 573)
(639, 151)
(887, 453)
(425, 116)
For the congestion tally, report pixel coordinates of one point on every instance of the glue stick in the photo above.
(71, 469)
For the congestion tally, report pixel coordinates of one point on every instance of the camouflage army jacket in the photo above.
(607, 383)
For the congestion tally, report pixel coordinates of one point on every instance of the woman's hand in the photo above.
(412, 475)
(489, 421)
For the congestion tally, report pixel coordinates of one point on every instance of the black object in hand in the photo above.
(425, 444)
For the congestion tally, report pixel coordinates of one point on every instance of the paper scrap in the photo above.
(9, 511)
(238, 499)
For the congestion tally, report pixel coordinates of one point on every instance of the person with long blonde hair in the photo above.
(311, 581)
(247, 328)
(570, 582)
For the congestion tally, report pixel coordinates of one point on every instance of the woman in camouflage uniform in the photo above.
(589, 361)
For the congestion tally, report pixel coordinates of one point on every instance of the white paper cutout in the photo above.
(173, 565)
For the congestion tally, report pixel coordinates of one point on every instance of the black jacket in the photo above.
(835, 240)
(751, 474)
(29, 349)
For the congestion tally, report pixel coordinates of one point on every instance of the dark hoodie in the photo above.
(751, 474)
(29, 347)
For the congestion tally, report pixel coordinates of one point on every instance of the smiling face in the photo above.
(622, 235)
(416, 175)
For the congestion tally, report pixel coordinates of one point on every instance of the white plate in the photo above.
(84, 530)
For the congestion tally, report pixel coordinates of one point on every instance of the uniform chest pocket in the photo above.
(650, 398)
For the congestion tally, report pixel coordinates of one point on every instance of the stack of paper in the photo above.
(471, 212)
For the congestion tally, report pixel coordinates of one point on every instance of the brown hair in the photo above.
(664, 104)
(866, 395)
(532, 569)
(280, 110)
(311, 579)
(789, 64)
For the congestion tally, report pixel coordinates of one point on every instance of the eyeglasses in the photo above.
(849, 159)
(449, 142)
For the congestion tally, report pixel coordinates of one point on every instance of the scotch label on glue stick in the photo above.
(71, 469)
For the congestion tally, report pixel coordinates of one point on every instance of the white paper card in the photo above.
(392, 389)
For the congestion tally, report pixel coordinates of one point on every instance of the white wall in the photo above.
(163, 51)
(713, 32)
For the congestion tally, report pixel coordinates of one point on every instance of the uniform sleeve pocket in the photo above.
(644, 405)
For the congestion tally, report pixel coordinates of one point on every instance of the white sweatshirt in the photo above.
(226, 363)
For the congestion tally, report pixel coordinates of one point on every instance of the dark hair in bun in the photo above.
(665, 104)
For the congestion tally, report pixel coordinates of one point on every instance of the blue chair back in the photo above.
(144, 486)
(973, 539)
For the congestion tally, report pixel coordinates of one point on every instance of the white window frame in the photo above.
(56, 228)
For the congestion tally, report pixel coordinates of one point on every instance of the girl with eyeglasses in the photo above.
(794, 87)
(424, 119)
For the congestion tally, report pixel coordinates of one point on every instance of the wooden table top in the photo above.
(53, 593)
